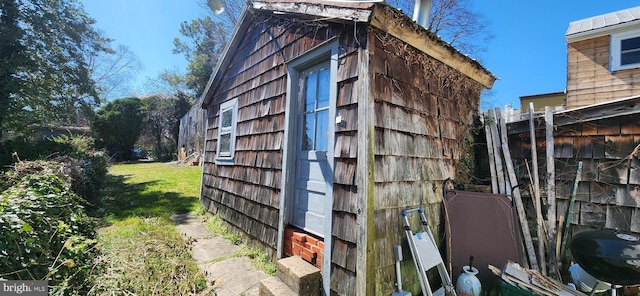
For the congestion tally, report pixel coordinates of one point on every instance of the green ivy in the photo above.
(46, 235)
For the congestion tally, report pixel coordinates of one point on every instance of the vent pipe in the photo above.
(421, 12)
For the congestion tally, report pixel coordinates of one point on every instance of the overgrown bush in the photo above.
(29, 149)
(72, 159)
(84, 177)
(46, 235)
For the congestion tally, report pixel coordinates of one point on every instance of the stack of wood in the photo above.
(193, 159)
(505, 181)
(533, 281)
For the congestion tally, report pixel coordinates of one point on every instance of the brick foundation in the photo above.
(307, 246)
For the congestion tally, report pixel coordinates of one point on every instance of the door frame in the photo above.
(328, 50)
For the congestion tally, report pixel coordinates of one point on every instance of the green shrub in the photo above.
(76, 146)
(84, 177)
(27, 149)
(46, 235)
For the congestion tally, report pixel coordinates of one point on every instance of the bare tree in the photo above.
(456, 23)
(167, 82)
(229, 15)
(113, 71)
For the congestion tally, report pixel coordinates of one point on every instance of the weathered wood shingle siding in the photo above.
(192, 129)
(423, 110)
(344, 228)
(247, 193)
(608, 194)
(589, 80)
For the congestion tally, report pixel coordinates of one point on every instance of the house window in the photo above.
(227, 132)
(625, 50)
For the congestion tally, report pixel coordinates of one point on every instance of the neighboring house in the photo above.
(540, 101)
(603, 58)
(326, 120)
(44, 132)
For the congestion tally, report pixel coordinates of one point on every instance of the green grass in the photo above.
(151, 190)
(141, 248)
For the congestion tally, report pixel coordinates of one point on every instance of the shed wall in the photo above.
(609, 194)
(423, 112)
(192, 129)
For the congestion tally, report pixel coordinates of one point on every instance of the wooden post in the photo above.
(536, 192)
(364, 178)
(551, 192)
(567, 219)
(497, 153)
(492, 165)
(505, 173)
(517, 198)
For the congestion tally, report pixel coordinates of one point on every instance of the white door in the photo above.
(312, 168)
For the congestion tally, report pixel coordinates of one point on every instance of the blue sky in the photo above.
(528, 52)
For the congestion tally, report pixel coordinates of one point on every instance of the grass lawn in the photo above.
(151, 190)
(142, 250)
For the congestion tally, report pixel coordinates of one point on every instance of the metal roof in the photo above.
(603, 22)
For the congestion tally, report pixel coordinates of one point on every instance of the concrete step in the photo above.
(302, 277)
(273, 286)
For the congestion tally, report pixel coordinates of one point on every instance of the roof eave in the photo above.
(604, 31)
(421, 39)
(604, 110)
(328, 11)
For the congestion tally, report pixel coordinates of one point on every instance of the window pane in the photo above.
(630, 58)
(323, 88)
(322, 129)
(307, 137)
(631, 43)
(312, 82)
(226, 118)
(225, 144)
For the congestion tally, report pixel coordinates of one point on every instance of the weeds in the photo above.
(216, 225)
(259, 258)
(147, 256)
(46, 235)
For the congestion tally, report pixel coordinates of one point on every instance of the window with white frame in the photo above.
(227, 132)
(625, 50)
